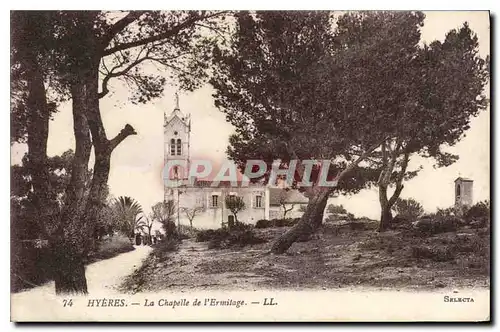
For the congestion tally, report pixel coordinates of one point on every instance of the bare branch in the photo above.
(172, 32)
(124, 133)
(217, 31)
(119, 26)
(112, 73)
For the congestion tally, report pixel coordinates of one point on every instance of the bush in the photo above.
(478, 214)
(363, 223)
(164, 247)
(408, 208)
(262, 223)
(287, 222)
(471, 244)
(238, 235)
(30, 266)
(110, 247)
(209, 234)
(336, 209)
(434, 224)
(186, 232)
(401, 222)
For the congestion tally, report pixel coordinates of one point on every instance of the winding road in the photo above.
(103, 277)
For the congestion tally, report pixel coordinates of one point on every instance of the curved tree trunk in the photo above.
(385, 203)
(309, 222)
(318, 197)
(386, 206)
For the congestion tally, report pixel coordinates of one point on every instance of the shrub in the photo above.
(262, 223)
(209, 234)
(164, 247)
(30, 266)
(401, 221)
(434, 224)
(287, 222)
(362, 223)
(479, 214)
(471, 244)
(408, 208)
(238, 235)
(187, 232)
(112, 246)
(336, 209)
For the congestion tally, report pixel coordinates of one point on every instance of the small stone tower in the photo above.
(176, 133)
(463, 192)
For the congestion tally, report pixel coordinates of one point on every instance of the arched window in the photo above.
(172, 147)
(458, 190)
(179, 147)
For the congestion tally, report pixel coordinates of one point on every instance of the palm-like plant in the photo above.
(127, 213)
(146, 223)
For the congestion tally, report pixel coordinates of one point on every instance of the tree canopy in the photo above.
(359, 89)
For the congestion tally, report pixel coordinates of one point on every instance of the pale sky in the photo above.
(137, 162)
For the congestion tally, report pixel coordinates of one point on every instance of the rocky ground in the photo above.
(336, 257)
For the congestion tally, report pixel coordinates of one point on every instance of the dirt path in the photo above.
(103, 277)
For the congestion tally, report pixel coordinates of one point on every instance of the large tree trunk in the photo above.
(70, 270)
(385, 213)
(385, 203)
(318, 197)
(71, 239)
(38, 133)
(102, 147)
(81, 215)
(309, 222)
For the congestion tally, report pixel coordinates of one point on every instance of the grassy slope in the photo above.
(335, 257)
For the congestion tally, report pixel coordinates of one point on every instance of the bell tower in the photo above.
(463, 192)
(176, 135)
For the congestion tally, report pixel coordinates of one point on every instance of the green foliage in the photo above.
(164, 248)
(239, 235)
(164, 213)
(26, 223)
(287, 222)
(127, 213)
(235, 204)
(336, 209)
(30, 265)
(111, 246)
(408, 209)
(435, 224)
(479, 213)
(296, 86)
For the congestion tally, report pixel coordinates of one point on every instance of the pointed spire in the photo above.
(176, 101)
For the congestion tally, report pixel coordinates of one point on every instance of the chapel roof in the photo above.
(463, 179)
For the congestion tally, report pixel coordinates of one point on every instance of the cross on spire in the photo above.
(177, 101)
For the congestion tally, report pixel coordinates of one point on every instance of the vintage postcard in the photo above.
(322, 166)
